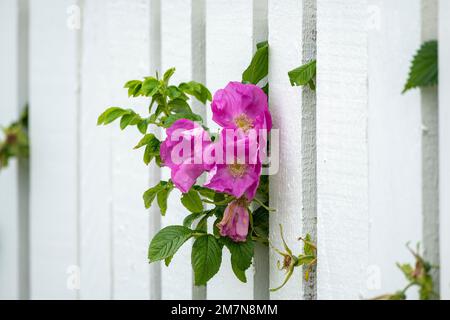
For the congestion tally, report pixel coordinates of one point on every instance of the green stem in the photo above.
(408, 286)
(263, 205)
(198, 234)
(261, 240)
(219, 203)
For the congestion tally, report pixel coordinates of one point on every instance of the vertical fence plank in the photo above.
(430, 151)
(309, 154)
(13, 180)
(286, 19)
(394, 133)
(128, 32)
(95, 155)
(182, 50)
(261, 268)
(444, 145)
(155, 171)
(231, 34)
(53, 130)
(342, 151)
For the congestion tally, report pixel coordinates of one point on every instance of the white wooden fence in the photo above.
(359, 161)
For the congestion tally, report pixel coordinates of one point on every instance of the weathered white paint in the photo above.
(155, 172)
(95, 156)
(14, 179)
(286, 53)
(375, 164)
(232, 30)
(54, 99)
(128, 32)
(444, 145)
(182, 50)
(430, 151)
(261, 269)
(309, 156)
(394, 143)
(342, 151)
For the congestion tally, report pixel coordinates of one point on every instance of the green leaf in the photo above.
(303, 75)
(168, 74)
(174, 93)
(187, 222)
(399, 295)
(168, 260)
(192, 201)
(266, 89)
(407, 270)
(111, 114)
(179, 106)
(259, 66)
(132, 83)
(167, 241)
(307, 248)
(129, 119)
(216, 230)
(142, 126)
(150, 87)
(261, 222)
(151, 150)
(148, 157)
(151, 193)
(426, 288)
(202, 225)
(262, 44)
(305, 259)
(206, 258)
(196, 89)
(205, 192)
(174, 117)
(145, 140)
(424, 67)
(134, 87)
(162, 199)
(240, 274)
(241, 252)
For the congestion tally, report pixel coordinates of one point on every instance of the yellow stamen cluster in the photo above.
(237, 170)
(243, 122)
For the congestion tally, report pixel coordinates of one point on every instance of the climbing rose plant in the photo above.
(15, 143)
(235, 194)
(418, 275)
(423, 71)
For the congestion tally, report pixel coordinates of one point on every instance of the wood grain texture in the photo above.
(394, 143)
(430, 150)
(261, 263)
(342, 150)
(54, 92)
(308, 142)
(286, 52)
(444, 146)
(14, 179)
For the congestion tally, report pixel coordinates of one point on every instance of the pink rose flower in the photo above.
(241, 106)
(237, 166)
(235, 221)
(182, 152)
